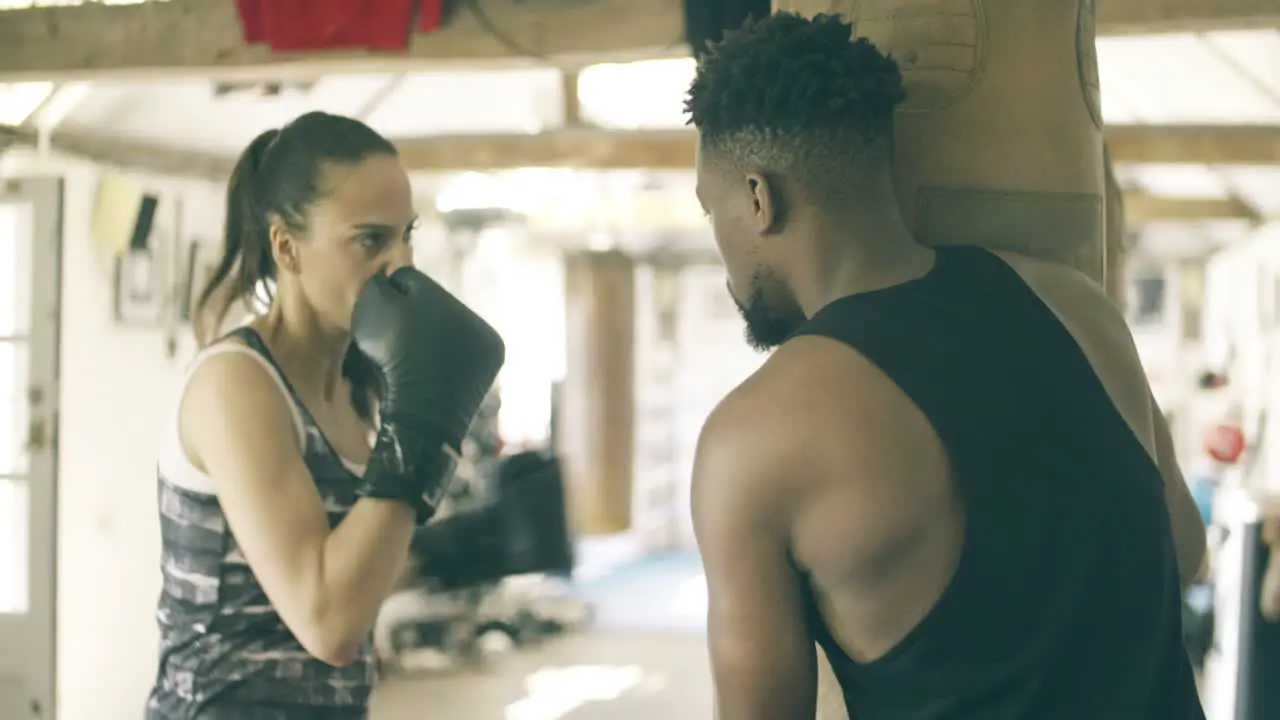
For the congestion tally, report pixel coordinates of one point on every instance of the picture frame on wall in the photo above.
(141, 293)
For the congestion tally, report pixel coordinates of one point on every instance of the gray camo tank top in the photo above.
(224, 652)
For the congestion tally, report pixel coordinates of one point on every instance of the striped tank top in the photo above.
(224, 652)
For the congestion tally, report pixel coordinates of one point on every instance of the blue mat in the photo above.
(664, 591)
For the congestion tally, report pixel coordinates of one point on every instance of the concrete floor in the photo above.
(645, 658)
(614, 674)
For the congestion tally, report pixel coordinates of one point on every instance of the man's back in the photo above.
(1005, 548)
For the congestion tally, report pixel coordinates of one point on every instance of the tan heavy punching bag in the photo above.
(999, 142)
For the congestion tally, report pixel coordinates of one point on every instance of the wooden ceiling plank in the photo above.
(202, 38)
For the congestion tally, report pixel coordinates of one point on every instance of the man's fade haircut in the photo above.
(799, 97)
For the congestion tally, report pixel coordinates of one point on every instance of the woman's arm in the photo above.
(326, 585)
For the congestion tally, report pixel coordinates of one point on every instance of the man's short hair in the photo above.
(799, 97)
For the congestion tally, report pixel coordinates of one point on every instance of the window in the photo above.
(1147, 298)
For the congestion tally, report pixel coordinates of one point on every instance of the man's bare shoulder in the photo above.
(817, 441)
(755, 425)
(796, 390)
(752, 456)
(815, 405)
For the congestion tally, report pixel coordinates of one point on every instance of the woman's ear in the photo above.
(284, 246)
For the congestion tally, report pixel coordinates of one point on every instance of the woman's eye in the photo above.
(371, 240)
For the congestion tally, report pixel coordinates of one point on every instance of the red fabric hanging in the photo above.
(297, 24)
(252, 20)
(327, 24)
(285, 24)
(379, 25)
(430, 15)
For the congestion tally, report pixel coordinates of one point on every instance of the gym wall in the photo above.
(116, 388)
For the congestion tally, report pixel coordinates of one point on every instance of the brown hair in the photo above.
(278, 177)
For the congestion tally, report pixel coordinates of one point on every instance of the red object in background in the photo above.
(252, 20)
(1225, 443)
(327, 24)
(430, 15)
(383, 24)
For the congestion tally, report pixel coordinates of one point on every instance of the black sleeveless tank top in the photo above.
(224, 652)
(1066, 604)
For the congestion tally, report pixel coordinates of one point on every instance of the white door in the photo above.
(30, 264)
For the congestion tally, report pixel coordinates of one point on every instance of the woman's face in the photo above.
(362, 224)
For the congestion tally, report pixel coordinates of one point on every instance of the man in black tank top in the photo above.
(951, 474)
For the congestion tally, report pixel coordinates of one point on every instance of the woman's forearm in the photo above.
(363, 560)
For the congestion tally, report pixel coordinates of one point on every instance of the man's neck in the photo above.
(857, 256)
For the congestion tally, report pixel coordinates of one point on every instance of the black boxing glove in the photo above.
(436, 360)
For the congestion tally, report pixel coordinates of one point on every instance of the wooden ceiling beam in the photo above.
(124, 154)
(674, 149)
(1208, 145)
(202, 38)
(1144, 17)
(597, 149)
(586, 148)
(1140, 209)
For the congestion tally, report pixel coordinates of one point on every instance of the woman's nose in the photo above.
(400, 255)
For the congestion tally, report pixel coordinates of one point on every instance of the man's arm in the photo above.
(762, 654)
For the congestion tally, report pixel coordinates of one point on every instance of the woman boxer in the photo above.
(283, 527)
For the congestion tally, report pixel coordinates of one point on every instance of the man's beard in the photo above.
(765, 328)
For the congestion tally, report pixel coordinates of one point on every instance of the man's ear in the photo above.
(766, 203)
(284, 246)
